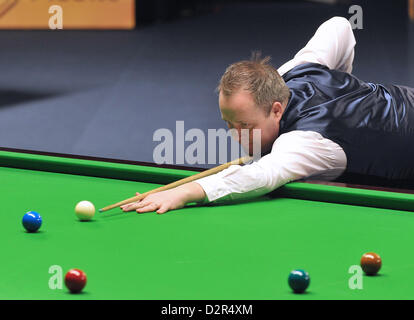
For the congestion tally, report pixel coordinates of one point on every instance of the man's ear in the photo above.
(277, 109)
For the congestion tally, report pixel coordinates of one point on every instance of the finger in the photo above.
(162, 209)
(135, 205)
(126, 206)
(148, 208)
(129, 204)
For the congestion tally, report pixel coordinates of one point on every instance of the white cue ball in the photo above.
(85, 210)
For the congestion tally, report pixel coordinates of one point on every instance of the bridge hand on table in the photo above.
(160, 202)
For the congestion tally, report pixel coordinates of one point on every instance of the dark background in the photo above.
(104, 93)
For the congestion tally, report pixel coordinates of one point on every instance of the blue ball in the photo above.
(32, 221)
(299, 280)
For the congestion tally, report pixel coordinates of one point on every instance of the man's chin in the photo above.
(248, 151)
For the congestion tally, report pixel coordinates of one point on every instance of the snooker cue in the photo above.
(200, 175)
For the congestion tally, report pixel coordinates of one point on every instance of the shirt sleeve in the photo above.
(295, 155)
(332, 45)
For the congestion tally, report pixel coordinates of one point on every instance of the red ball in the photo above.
(371, 263)
(75, 280)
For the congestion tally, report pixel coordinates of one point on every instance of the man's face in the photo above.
(240, 112)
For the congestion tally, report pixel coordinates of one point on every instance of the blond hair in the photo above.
(259, 78)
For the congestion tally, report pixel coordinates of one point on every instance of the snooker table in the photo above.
(233, 250)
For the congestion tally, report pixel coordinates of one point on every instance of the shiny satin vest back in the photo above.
(373, 123)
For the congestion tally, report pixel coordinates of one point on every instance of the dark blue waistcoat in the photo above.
(373, 123)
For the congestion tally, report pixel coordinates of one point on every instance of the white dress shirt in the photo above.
(295, 155)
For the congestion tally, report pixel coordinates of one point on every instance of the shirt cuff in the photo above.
(214, 187)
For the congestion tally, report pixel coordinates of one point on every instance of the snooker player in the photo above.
(317, 121)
